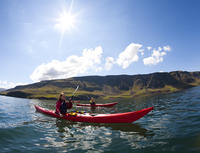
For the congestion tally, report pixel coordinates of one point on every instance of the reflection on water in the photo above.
(125, 127)
(101, 133)
(87, 135)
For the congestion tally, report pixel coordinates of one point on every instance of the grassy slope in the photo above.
(52, 92)
(109, 86)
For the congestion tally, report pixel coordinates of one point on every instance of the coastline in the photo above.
(142, 93)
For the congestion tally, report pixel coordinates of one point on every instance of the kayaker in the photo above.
(92, 101)
(61, 105)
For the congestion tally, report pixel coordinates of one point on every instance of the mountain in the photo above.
(109, 86)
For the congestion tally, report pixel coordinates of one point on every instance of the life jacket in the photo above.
(92, 102)
(63, 108)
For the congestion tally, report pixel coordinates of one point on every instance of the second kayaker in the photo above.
(92, 101)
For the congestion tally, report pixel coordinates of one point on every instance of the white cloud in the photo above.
(129, 55)
(7, 84)
(90, 61)
(149, 47)
(167, 48)
(72, 66)
(155, 58)
(109, 63)
(99, 69)
(141, 52)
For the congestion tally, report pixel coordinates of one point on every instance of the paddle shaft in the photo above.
(75, 91)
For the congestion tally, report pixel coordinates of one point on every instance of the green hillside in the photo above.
(109, 86)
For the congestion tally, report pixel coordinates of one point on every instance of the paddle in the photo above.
(74, 92)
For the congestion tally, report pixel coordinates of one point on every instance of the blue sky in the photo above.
(101, 38)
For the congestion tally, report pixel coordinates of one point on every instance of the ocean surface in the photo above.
(173, 126)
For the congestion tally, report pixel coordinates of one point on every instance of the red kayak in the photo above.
(128, 117)
(98, 105)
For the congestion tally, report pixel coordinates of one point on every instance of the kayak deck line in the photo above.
(127, 117)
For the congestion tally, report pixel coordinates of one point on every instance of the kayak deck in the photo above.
(127, 117)
(98, 105)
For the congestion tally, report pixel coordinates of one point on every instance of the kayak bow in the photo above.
(128, 117)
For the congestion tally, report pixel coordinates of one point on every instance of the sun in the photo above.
(65, 22)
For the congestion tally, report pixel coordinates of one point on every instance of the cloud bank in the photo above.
(72, 66)
(129, 55)
(91, 60)
(156, 56)
(7, 84)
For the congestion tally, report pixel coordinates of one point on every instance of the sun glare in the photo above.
(65, 22)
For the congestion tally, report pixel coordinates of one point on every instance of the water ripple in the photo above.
(175, 118)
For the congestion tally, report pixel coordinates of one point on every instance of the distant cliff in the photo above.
(109, 86)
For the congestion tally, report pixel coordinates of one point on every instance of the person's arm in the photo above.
(58, 104)
(58, 107)
(69, 104)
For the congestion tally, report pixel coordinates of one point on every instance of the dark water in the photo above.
(173, 126)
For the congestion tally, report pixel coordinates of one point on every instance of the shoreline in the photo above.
(148, 94)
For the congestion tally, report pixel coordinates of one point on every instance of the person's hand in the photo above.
(61, 115)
